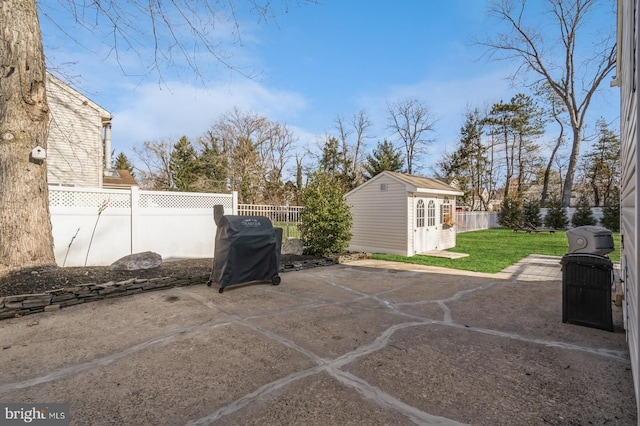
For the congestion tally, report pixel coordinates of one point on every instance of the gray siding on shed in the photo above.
(380, 218)
(74, 146)
(627, 79)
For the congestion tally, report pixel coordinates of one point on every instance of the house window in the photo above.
(420, 214)
(431, 213)
(445, 212)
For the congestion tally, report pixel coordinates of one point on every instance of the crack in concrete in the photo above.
(72, 370)
(385, 400)
(253, 396)
(332, 367)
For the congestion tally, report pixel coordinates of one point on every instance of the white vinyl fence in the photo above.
(95, 227)
(597, 214)
(98, 226)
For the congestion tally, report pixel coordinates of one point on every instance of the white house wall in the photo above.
(379, 218)
(628, 80)
(74, 146)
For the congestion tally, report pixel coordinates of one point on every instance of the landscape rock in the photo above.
(137, 261)
(292, 246)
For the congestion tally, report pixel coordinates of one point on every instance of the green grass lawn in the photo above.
(288, 229)
(492, 250)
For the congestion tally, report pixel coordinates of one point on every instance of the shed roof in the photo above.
(415, 183)
(121, 179)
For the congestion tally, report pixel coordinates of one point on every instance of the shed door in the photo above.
(425, 231)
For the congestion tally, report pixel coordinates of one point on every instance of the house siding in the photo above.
(379, 218)
(74, 145)
(628, 80)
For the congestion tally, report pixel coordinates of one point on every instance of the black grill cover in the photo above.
(247, 249)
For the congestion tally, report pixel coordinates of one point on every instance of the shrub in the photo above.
(611, 215)
(325, 219)
(510, 213)
(583, 215)
(556, 217)
(531, 212)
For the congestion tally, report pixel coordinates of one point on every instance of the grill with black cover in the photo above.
(247, 248)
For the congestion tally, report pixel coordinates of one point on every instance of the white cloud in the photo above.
(180, 109)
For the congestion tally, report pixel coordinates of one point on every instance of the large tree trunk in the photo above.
(547, 172)
(25, 227)
(571, 169)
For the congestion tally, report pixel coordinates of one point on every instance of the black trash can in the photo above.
(247, 248)
(586, 290)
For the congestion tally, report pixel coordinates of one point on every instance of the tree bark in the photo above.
(26, 238)
(573, 163)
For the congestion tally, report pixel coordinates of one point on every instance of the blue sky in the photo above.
(311, 64)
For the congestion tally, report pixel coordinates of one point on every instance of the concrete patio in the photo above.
(368, 342)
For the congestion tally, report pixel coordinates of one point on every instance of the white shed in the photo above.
(396, 213)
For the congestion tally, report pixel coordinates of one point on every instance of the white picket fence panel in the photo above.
(474, 221)
(285, 217)
(95, 227)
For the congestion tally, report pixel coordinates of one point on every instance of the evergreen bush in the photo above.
(556, 217)
(325, 226)
(531, 212)
(510, 213)
(583, 216)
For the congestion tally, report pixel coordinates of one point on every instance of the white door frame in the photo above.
(425, 225)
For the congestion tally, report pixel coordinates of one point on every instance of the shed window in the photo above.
(420, 214)
(431, 213)
(445, 212)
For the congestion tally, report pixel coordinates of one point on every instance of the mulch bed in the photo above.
(39, 280)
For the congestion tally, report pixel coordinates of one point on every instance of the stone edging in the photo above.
(27, 304)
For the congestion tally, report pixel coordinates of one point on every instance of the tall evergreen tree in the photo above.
(602, 165)
(514, 126)
(385, 157)
(528, 125)
(184, 165)
(121, 162)
(212, 165)
(469, 163)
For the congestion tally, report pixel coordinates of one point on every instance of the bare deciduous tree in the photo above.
(257, 151)
(156, 157)
(410, 120)
(353, 148)
(571, 70)
(276, 154)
